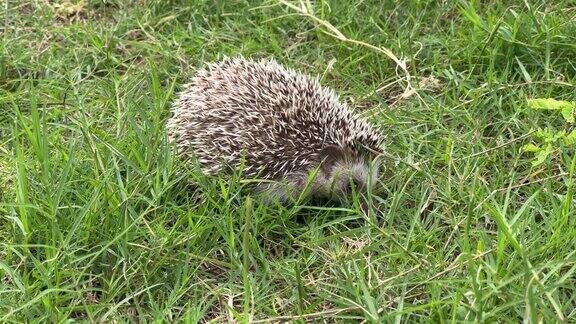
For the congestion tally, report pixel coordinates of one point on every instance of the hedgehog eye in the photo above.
(349, 188)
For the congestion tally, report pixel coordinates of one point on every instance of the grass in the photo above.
(97, 222)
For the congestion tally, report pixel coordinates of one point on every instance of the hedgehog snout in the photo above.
(347, 177)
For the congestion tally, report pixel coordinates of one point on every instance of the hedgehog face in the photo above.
(343, 172)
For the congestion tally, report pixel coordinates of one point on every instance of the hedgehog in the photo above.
(283, 129)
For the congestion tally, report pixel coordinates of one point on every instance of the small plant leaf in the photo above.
(543, 134)
(550, 136)
(558, 135)
(570, 139)
(549, 104)
(530, 148)
(568, 113)
(542, 155)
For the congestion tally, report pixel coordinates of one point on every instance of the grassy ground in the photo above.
(97, 223)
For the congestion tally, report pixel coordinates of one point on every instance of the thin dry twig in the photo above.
(401, 274)
(332, 31)
(518, 186)
(451, 268)
(497, 146)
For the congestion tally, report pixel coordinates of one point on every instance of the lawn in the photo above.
(98, 221)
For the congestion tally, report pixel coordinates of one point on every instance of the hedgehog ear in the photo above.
(330, 155)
